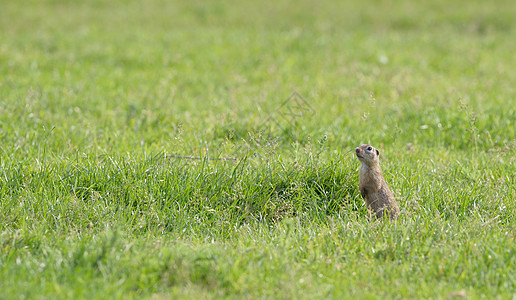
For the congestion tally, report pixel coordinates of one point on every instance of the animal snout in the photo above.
(357, 150)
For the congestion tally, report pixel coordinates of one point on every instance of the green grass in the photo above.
(97, 100)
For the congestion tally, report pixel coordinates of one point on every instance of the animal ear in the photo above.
(377, 152)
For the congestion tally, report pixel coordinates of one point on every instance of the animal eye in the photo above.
(369, 148)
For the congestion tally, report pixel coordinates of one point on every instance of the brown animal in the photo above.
(377, 195)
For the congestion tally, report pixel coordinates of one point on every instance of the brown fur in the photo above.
(377, 195)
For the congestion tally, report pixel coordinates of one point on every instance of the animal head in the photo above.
(367, 154)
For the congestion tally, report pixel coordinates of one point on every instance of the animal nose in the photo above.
(357, 150)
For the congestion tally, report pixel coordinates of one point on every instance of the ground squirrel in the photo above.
(377, 195)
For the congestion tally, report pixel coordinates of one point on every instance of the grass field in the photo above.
(204, 149)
